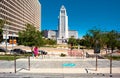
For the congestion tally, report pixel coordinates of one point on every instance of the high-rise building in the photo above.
(17, 13)
(63, 24)
(62, 34)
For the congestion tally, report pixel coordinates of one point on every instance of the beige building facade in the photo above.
(17, 13)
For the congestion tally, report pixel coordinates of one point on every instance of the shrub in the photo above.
(62, 55)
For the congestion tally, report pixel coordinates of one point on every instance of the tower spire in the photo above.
(62, 7)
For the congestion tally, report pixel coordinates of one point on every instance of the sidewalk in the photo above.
(54, 65)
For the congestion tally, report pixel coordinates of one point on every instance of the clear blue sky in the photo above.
(83, 15)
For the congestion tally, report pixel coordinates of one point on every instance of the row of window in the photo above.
(17, 13)
(12, 23)
(27, 17)
(11, 11)
(27, 10)
(8, 17)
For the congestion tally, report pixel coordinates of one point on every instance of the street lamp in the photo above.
(6, 35)
(12, 41)
(96, 51)
(62, 39)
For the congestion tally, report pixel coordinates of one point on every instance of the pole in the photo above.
(29, 62)
(111, 64)
(83, 53)
(62, 39)
(15, 63)
(6, 39)
(12, 41)
(96, 62)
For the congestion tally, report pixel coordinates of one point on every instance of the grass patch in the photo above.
(116, 57)
(113, 57)
(11, 57)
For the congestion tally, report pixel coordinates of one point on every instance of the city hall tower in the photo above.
(63, 25)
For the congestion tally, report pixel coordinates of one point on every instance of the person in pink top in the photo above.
(36, 51)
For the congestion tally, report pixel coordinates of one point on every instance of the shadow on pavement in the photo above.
(22, 69)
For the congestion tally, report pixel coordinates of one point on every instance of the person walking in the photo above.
(36, 51)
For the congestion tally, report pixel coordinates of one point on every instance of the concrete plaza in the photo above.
(52, 67)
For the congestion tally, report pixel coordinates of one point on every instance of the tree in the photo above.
(2, 22)
(1, 31)
(112, 42)
(72, 41)
(118, 40)
(51, 42)
(1, 35)
(87, 40)
(81, 42)
(91, 37)
(112, 39)
(30, 37)
(95, 34)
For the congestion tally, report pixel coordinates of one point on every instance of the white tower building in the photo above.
(63, 25)
(62, 34)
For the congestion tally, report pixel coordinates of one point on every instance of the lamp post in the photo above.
(111, 65)
(96, 51)
(15, 62)
(113, 42)
(29, 62)
(12, 41)
(62, 39)
(6, 36)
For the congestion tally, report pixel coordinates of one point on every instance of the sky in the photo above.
(83, 15)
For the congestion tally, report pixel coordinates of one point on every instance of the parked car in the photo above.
(3, 49)
(42, 52)
(18, 51)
